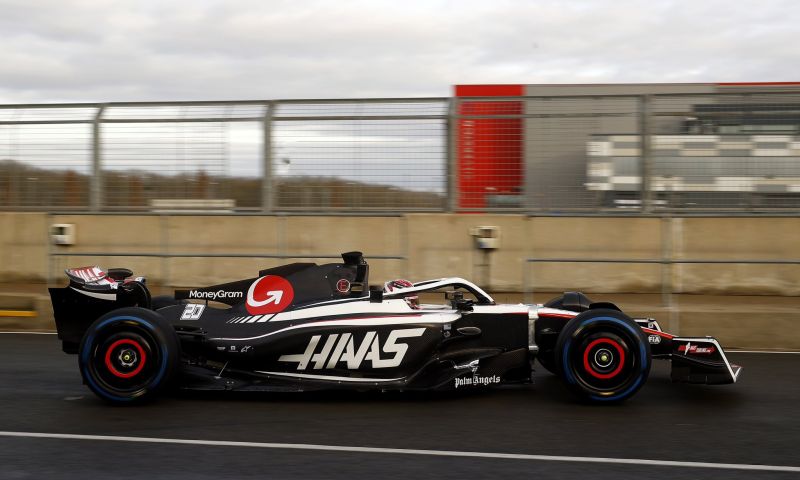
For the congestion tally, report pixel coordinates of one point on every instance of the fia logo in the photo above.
(341, 348)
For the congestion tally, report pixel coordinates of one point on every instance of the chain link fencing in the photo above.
(599, 154)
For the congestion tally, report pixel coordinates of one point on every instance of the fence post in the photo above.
(666, 261)
(645, 153)
(163, 224)
(267, 191)
(96, 182)
(451, 151)
(527, 287)
(49, 241)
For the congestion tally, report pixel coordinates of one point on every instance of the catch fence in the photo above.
(726, 152)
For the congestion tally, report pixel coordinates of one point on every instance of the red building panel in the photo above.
(489, 150)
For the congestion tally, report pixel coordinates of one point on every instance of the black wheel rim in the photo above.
(603, 362)
(124, 362)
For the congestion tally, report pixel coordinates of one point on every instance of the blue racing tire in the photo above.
(603, 356)
(129, 355)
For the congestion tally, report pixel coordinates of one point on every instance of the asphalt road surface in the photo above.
(296, 436)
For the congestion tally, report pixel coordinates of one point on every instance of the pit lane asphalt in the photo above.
(756, 421)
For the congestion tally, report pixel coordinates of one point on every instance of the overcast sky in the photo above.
(102, 50)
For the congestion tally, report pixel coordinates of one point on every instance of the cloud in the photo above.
(195, 50)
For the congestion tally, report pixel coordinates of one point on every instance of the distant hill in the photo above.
(27, 187)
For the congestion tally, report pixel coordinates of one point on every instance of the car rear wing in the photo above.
(90, 294)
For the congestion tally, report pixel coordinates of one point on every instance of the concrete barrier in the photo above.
(23, 247)
(25, 311)
(430, 245)
(746, 306)
(737, 238)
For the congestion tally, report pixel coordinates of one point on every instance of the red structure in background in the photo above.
(489, 150)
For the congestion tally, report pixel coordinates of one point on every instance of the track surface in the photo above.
(756, 421)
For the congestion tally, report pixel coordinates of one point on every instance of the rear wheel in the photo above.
(603, 356)
(129, 355)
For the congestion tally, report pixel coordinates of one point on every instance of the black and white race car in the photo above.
(304, 326)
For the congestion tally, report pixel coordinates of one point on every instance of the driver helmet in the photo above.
(391, 286)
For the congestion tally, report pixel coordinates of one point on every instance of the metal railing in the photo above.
(729, 152)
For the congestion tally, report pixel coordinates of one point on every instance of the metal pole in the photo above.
(96, 183)
(405, 246)
(527, 286)
(666, 265)
(451, 150)
(49, 241)
(645, 153)
(164, 226)
(267, 191)
(527, 291)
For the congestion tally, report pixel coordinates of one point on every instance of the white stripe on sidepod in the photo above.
(101, 296)
(359, 322)
(408, 451)
(388, 307)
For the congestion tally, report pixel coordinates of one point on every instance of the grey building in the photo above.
(702, 145)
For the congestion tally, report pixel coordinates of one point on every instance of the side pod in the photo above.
(701, 360)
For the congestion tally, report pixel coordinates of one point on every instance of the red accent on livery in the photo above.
(91, 275)
(604, 376)
(697, 349)
(650, 331)
(557, 315)
(110, 364)
(269, 294)
(343, 286)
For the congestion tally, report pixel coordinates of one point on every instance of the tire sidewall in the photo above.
(592, 322)
(152, 327)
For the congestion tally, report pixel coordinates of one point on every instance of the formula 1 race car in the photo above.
(304, 326)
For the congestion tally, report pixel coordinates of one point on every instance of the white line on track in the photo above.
(406, 451)
(28, 333)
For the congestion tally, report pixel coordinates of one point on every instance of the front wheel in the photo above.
(603, 356)
(129, 355)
